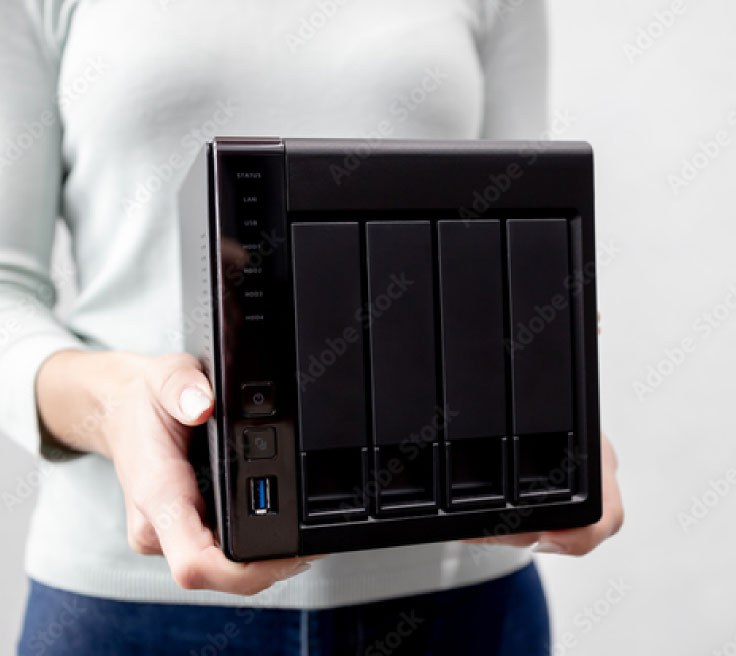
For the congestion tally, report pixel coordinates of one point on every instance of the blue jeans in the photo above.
(501, 617)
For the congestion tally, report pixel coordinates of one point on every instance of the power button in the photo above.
(258, 399)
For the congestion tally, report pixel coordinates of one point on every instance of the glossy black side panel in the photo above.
(255, 316)
(541, 338)
(327, 298)
(402, 338)
(471, 290)
(208, 452)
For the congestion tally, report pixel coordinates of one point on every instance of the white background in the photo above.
(651, 92)
(673, 263)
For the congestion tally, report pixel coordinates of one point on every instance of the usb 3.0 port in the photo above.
(263, 495)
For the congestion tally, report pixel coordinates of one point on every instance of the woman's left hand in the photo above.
(578, 541)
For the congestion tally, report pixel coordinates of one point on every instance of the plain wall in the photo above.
(654, 91)
(651, 86)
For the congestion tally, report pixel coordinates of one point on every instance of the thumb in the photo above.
(180, 387)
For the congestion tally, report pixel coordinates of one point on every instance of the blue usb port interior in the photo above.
(263, 495)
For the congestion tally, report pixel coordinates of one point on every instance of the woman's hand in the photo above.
(145, 408)
(578, 541)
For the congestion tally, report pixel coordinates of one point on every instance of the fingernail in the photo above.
(548, 548)
(300, 569)
(193, 402)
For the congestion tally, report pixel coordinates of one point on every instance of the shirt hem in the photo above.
(302, 592)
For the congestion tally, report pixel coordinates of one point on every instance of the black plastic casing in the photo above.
(401, 337)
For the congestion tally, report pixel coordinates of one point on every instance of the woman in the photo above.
(104, 105)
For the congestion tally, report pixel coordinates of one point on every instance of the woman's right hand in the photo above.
(146, 408)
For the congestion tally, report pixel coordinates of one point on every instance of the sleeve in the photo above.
(30, 189)
(513, 49)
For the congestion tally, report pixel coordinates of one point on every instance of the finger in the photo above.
(609, 459)
(516, 540)
(197, 563)
(142, 537)
(182, 390)
(575, 541)
(580, 541)
(176, 511)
